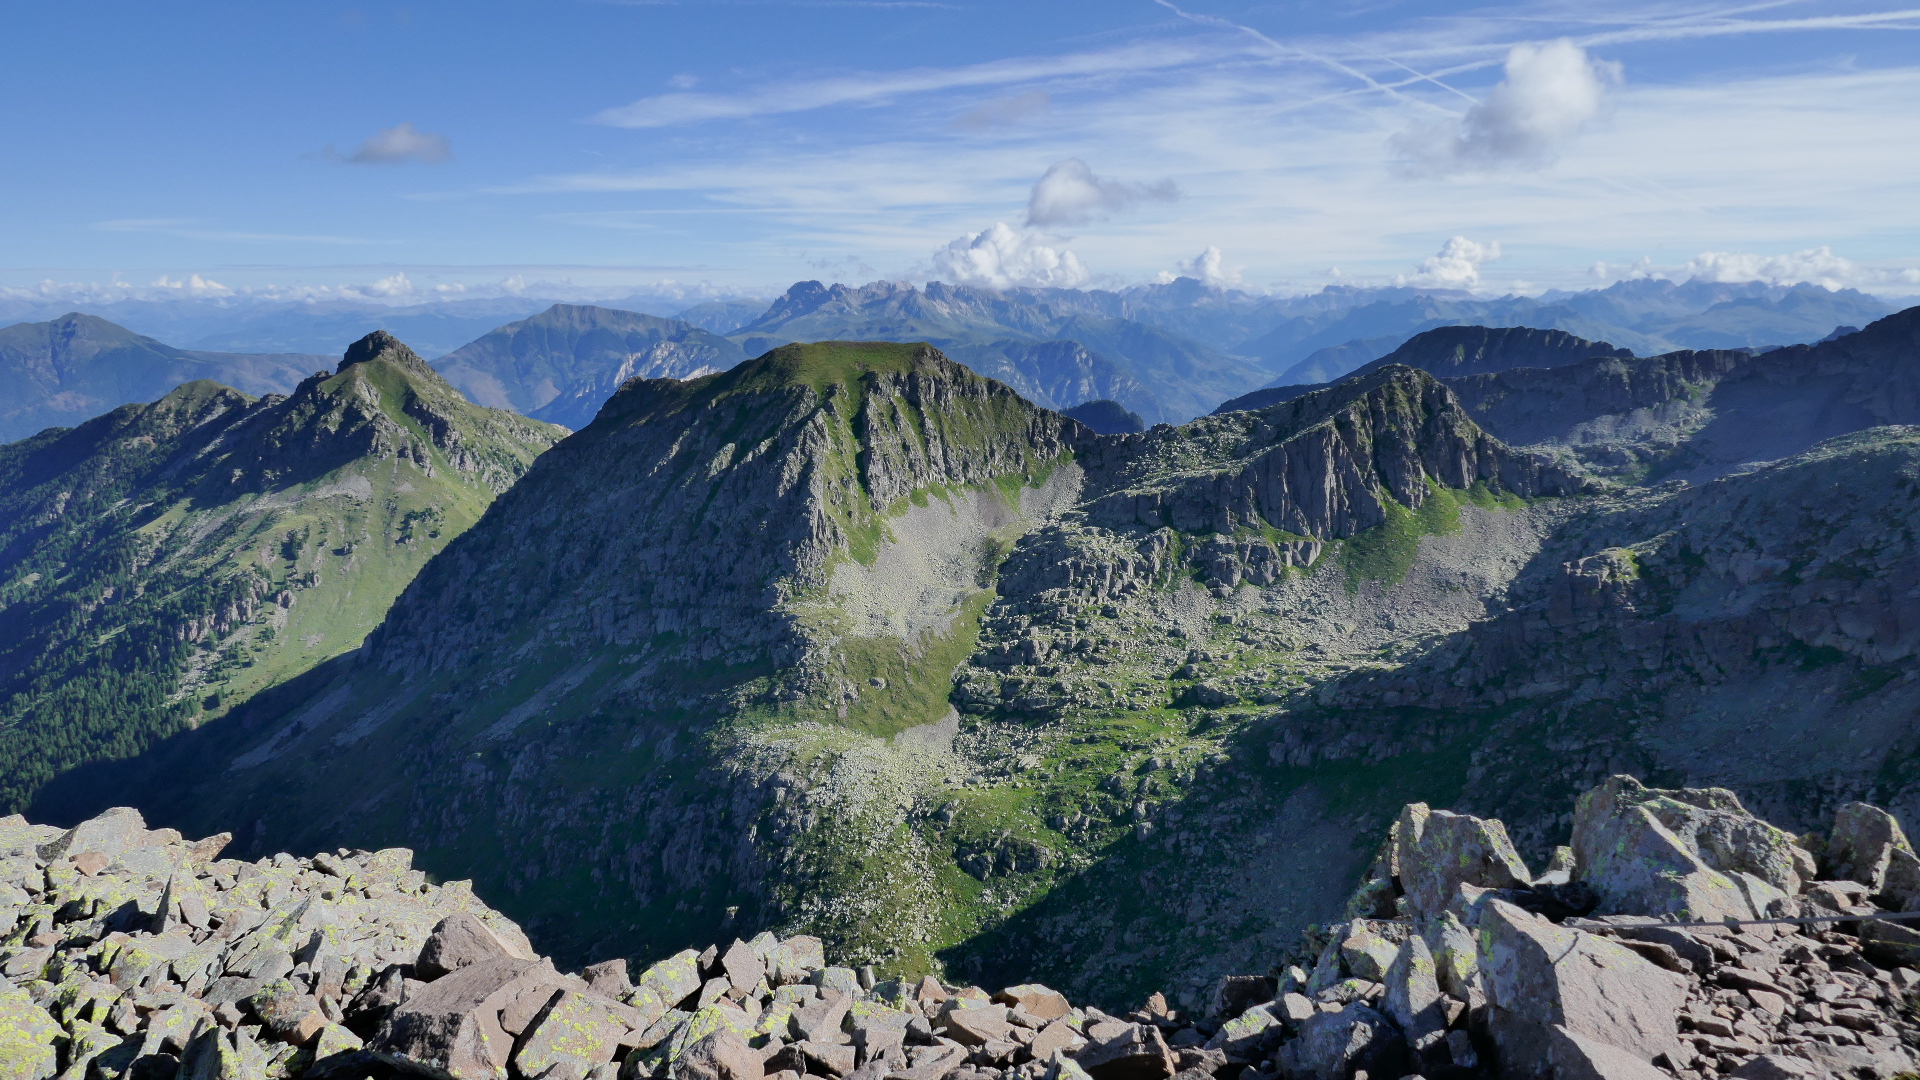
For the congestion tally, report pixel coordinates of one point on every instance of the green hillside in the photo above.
(163, 562)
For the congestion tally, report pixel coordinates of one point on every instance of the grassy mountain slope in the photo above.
(163, 562)
(562, 364)
(76, 367)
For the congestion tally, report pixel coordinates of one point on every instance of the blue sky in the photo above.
(392, 149)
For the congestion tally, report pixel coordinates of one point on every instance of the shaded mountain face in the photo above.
(1683, 414)
(1452, 351)
(77, 366)
(1020, 335)
(164, 562)
(564, 363)
(1699, 414)
(1106, 417)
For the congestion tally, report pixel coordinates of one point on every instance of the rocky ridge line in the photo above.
(134, 953)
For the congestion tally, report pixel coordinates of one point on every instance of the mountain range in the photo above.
(77, 366)
(162, 562)
(850, 639)
(1168, 352)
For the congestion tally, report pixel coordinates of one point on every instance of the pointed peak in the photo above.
(381, 345)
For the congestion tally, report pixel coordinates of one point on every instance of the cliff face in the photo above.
(164, 562)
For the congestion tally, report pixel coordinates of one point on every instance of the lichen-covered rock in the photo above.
(1435, 851)
(1627, 854)
(1413, 997)
(28, 1037)
(575, 1032)
(1538, 976)
(1863, 843)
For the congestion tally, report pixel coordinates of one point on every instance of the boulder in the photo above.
(1637, 865)
(1575, 1057)
(744, 968)
(1337, 1045)
(108, 833)
(1247, 1036)
(28, 1037)
(1040, 1002)
(451, 1027)
(1136, 1053)
(1235, 994)
(1890, 944)
(1862, 844)
(795, 960)
(575, 1032)
(722, 1055)
(1455, 953)
(675, 979)
(1538, 976)
(1436, 851)
(1366, 952)
(1413, 998)
(977, 1027)
(460, 940)
(608, 978)
(1055, 1036)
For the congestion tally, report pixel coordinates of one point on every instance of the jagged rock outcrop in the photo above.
(1320, 467)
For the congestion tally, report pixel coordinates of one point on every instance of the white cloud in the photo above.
(1001, 258)
(1070, 194)
(1456, 266)
(1206, 268)
(1817, 266)
(192, 285)
(402, 143)
(1553, 91)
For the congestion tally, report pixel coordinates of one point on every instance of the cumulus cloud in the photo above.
(1817, 266)
(1551, 92)
(402, 143)
(1205, 267)
(1455, 266)
(192, 285)
(1002, 257)
(1070, 194)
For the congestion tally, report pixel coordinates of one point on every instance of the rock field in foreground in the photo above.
(133, 953)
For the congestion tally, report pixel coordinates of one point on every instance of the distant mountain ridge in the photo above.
(76, 367)
(563, 363)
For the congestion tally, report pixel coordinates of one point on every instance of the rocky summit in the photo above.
(1678, 937)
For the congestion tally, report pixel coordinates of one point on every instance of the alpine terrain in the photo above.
(162, 562)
